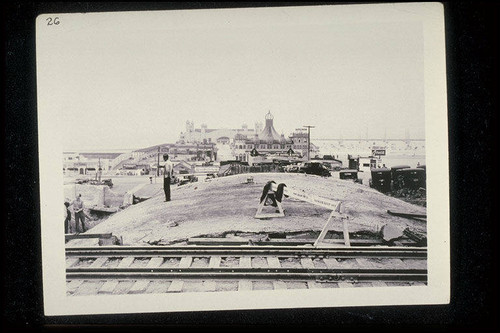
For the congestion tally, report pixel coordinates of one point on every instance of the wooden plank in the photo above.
(175, 286)
(126, 262)
(98, 262)
(307, 197)
(269, 215)
(283, 241)
(214, 262)
(326, 228)
(273, 262)
(345, 225)
(245, 285)
(245, 262)
(185, 262)
(218, 241)
(108, 287)
(307, 263)
(407, 215)
(104, 209)
(82, 236)
(155, 262)
(139, 287)
(71, 261)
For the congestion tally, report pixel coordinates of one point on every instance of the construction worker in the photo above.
(67, 220)
(79, 213)
(168, 170)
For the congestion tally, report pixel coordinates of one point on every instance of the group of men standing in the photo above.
(77, 207)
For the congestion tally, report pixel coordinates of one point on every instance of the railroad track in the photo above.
(161, 269)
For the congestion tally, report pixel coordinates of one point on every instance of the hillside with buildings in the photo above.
(203, 150)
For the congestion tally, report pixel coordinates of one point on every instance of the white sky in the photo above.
(133, 84)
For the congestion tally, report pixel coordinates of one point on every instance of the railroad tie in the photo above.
(307, 263)
(365, 263)
(71, 261)
(139, 287)
(185, 262)
(175, 286)
(209, 285)
(246, 262)
(108, 287)
(279, 285)
(273, 262)
(155, 262)
(73, 285)
(126, 262)
(415, 263)
(332, 263)
(245, 285)
(214, 262)
(396, 263)
(98, 262)
(346, 284)
(418, 283)
(313, 285)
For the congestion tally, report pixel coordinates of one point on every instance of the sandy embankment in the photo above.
(227, 204)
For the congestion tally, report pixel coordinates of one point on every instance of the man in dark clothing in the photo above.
(67, 219)
(168, 170)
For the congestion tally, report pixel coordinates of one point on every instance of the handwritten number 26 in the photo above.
(52, 21)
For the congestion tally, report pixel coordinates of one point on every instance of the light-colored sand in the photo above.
(227, 204)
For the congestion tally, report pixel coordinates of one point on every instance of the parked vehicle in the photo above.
(184, 179)
(348, 174)
(381, 179)
(315, 168)
(411, 178)
(293, 167)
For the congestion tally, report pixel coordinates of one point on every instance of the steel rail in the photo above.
(261, 274)
(232, 251)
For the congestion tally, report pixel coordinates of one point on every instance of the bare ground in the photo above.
(228, 204)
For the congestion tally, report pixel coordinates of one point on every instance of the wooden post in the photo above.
(346, 232)
(325, 230)
(329, 224)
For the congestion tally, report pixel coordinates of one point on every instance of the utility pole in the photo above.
(158, 165)
(308, 141)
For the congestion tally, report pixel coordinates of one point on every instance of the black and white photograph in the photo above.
(243, 158)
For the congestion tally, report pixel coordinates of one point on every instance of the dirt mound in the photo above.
(228, 204)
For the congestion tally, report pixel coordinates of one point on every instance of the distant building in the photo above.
(75, 163)
(254, 149)
(238, 144)
(300, 142)
(179, 151)
(219, 136)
